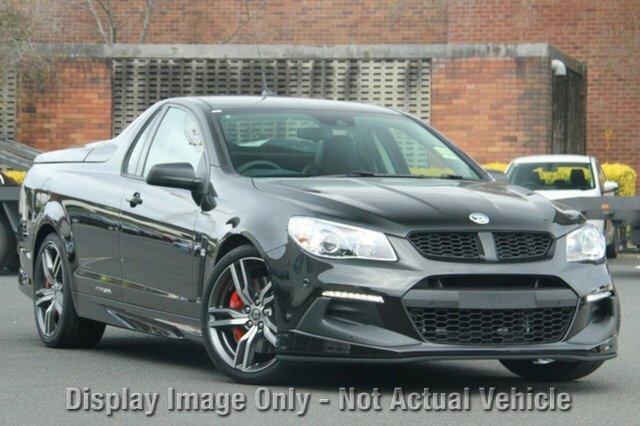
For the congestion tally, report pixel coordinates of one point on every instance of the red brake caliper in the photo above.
(236, 303)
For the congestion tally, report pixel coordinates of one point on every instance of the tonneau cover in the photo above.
(96, 152)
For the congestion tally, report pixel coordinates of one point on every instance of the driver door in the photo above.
(158, 223)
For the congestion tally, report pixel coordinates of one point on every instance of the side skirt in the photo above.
(132, 317)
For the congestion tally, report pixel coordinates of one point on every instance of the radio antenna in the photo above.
(265, 88)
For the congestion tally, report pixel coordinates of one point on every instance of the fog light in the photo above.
(353, 296)
(601, 293)
(543, 361)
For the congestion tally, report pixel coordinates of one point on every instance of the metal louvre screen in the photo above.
(7, 105)
(398, 83)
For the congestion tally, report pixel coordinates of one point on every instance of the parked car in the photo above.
(557, 177)
(276, 230)
(15, 158)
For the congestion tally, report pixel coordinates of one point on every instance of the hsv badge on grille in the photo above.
(479, 218)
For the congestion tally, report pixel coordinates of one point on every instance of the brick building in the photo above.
(488, 83)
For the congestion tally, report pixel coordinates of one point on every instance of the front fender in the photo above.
(214, 252)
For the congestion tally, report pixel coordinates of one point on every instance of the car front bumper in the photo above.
(313, 327)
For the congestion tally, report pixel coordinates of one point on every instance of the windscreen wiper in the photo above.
(372, 174)
(366, 174)
(451, 176)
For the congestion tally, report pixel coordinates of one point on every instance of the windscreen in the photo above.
(552, 176)
(336, 143)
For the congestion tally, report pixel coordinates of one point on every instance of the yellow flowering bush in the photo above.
(623, 175)
(496, 165)
(561, 174)
(17, 175)
(430, 171)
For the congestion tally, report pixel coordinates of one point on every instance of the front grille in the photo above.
(491, 282)
(521, 245)
(447, 245)
(492, 326)
(468, 246)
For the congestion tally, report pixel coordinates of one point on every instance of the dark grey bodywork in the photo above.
(143, 267)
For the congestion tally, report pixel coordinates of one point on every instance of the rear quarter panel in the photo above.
(81, 202)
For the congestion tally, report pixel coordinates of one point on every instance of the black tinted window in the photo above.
(321, 143)
(552, 176)
(177, 140)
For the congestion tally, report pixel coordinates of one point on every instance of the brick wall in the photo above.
(270, 21)
(74, 108)
(493, 108)
(603, 34)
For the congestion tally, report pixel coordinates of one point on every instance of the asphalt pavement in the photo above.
(35, 380)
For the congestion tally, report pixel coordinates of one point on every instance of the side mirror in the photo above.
(498, 176)
(174, 175)
(610, 186)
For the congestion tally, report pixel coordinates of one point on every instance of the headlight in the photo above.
(337, 241)
(585, 244)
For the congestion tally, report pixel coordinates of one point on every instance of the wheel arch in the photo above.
(231, 242)
(226, 244)
(45, 229)
(53, 219)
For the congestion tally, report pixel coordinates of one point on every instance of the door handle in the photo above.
(134, 200)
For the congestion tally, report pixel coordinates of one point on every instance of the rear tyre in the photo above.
(237, 319)
(554, 371)
(56, 320)
(8, 247)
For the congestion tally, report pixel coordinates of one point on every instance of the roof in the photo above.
(261, 102)
(559, 158)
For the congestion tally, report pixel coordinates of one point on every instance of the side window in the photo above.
(177, 140)
(134, 156)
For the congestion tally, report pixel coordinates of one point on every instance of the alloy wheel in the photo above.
(240, 316)
(49, 298)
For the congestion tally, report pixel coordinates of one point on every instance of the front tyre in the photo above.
(237, 319)
(56, 320)
(551, 371)
(614, 248)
